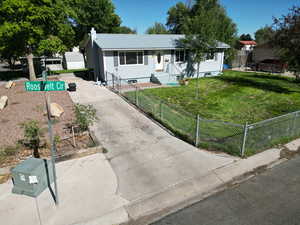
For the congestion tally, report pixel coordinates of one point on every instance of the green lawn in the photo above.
(226, 103)
(237, 97)
(68, 71)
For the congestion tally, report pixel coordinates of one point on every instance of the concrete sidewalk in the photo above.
(87, 190)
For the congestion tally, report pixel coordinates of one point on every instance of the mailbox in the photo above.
(32, 177)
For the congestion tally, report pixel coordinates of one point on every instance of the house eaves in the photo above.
(112, 42)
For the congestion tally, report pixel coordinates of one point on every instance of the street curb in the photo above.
(153, 208)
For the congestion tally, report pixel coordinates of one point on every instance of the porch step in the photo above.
(167, 79)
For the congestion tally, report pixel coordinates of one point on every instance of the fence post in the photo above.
(197, 131)
(113, 81)
(136, 97)
(294, 124)
(244, 139)
(161, 111)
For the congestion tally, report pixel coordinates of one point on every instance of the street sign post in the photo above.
(45, 86)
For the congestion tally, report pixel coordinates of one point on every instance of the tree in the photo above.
(201, 35)
(287, 39)
(99, 14)
(246, 37)
(157, 28)
(264, 35)
(177, 16)
(51, 45)
(10, 52)
(125, 30)
(180, 17)
(27, 23)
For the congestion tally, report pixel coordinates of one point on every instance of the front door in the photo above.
(159, 61)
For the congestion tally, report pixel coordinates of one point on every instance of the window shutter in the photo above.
(146, 58)
(172, 56)
(116, 59)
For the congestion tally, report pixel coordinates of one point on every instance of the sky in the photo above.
(248, 15)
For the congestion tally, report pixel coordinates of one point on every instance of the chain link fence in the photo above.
(271, 132)
(235, 139)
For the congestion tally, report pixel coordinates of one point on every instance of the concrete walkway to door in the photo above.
(146, 159)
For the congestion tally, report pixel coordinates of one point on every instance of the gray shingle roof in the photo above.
(140, 41)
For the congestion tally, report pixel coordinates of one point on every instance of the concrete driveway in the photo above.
(146, 159)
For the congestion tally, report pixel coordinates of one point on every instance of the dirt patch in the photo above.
(285, 153)
(23, 106)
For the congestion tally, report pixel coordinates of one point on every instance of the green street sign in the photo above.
(45, 85)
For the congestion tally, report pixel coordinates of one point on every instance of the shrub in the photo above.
(57, 139)
(85, 116)
(32, 136)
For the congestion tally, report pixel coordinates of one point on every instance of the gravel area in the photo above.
(23, 106)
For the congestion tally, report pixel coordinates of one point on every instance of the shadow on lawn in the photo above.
(242, 81)
(273, 77)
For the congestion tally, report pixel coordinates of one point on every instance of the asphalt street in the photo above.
(271, 198)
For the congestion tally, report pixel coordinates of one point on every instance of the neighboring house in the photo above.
(52, 64)
(243, 58)
(135, 58)
(73, 60)
(247, 45)
(42, 63)
(267, 59)
(263, 52)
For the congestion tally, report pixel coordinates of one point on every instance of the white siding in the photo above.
(129, 71)
(75, 65)
(140, 71)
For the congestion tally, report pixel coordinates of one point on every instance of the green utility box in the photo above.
(32, 177)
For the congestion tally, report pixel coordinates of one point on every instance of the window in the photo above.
(180, 56)
(211, 56)
(131, 58)
(53, 62)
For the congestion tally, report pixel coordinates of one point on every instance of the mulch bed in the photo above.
(24, 106)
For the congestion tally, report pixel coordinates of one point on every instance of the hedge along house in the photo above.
(134, 58)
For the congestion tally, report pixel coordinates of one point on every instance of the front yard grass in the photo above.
(236, 97)
(226, 103)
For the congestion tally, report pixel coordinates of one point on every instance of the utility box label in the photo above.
(45, 86)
